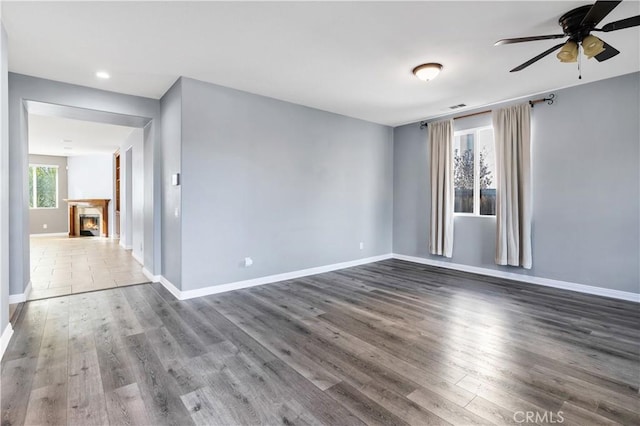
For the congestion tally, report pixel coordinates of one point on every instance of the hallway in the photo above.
(62, 266)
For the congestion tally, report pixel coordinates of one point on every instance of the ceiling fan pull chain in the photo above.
(579, 64)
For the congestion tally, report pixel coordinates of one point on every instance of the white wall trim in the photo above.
(137, 258)
(5, 338)
(547, 282)
(205, 291)
(17, 298)
(51, 234)
(172, 288)
(27, 291)
(121, 244)
(153, 278)
(20, 297)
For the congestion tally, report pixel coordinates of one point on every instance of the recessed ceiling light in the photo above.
(426, 72)
(103, 75)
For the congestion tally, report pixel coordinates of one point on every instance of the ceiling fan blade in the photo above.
(634, 21)
(523, 39)
(537, 58)
(608, 53)
(598, 12)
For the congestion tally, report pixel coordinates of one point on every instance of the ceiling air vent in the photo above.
(457, 106)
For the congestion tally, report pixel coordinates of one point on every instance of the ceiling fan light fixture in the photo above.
(568, 52)
(592, 46)
(427, 72)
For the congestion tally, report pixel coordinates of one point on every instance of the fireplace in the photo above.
(88, 217)
(89, 225)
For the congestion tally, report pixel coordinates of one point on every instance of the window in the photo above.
(43, 186)
(474, 172)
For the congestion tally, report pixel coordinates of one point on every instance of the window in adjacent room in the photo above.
(474, 172)
(43, 186)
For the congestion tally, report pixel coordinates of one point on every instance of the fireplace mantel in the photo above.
(98, 203)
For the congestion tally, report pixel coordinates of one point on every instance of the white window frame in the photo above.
(476, 171)
(35, 186)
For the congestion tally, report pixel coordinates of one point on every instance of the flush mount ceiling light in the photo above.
(103, 75)
(569, 52)
(426, 72)
(592, 46)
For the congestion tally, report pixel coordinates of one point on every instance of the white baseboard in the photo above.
(17, 298)
(21, 297)
(52, 234)
(205, 291)
(137, 258)
(172, 288)
(126, 247)
(153, 278)
(547, 282)
(5, 338)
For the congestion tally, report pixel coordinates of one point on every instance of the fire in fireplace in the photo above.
(89, 225)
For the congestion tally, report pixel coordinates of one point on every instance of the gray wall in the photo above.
(586, 182)
(171, 115)
(138, 194)
(94, 102)
(290, 186)
(57, 220)
(4, 182)
(126, 198)
(133, 194)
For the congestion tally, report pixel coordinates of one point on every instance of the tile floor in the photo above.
(62, 265)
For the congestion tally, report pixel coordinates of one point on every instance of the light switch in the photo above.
(175, 179)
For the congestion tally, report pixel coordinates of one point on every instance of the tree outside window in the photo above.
(474, 175)
(43, 186)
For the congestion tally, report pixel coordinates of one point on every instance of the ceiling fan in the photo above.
(577, 24)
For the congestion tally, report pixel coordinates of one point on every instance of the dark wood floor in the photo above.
(385, 343)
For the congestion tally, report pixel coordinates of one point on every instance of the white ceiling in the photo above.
(50, 136)
(352, 58)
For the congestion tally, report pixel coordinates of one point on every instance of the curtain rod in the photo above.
(549, 100)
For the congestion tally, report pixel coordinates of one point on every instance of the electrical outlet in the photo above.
(361, 245)
(44, 226)
(248, 262)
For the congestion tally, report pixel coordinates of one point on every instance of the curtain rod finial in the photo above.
(550, 99)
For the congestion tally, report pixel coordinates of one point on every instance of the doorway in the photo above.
(78, 209)
(31, 95)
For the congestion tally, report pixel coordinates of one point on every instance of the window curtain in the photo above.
(512, 130)
(441, 156)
